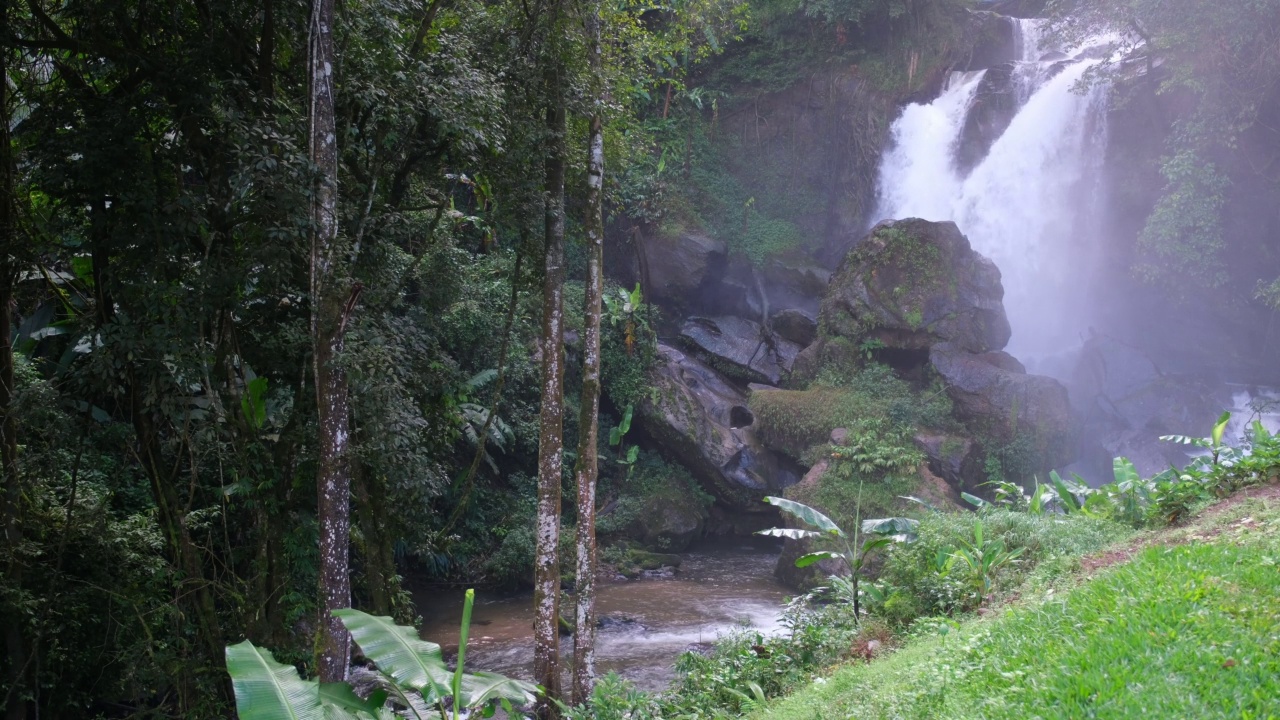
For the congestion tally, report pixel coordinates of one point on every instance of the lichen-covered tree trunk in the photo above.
(584, 639)
(546, 577)
(330, 308)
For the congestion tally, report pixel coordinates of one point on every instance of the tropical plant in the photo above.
(1217, 451)
(413, 679)
(981, 557)
(627, 456)
(881, 533)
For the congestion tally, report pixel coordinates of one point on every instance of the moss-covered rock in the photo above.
(911, 284)
(631, 563)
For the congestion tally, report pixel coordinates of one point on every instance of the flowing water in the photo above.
(1031, 205)
(649, 621)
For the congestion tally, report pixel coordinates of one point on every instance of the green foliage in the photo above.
(880, 534)
(1182, 244)
(410, 670)
(1170, 495)
(917, 580)
(1183, 631)
(653, 481)
(1219, 63)
(982, 557)
(868, 401)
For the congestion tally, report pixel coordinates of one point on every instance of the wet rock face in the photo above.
(993, 40)
(912, 284)
(1003, 403)
(740, 348)
(995, 102)
(669, 524)
(952, 458)
(1127, 402)
(701, 420)
(678, 265)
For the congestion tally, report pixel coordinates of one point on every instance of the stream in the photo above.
(648, 621)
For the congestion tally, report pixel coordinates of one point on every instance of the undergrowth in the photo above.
(1186, 631)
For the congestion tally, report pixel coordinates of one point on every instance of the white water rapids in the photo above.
(1031, 204)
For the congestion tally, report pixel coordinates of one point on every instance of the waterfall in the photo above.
(1031, 204)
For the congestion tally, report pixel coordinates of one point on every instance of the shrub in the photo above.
(914, 575)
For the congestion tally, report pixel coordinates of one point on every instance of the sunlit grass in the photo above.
(1188, 631)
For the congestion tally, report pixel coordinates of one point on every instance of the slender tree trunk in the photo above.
(584, 638)
(330, 308)
(546, 591)
(15, 644)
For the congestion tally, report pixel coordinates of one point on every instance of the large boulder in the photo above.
(954, 459)
(678, 264)
(912, 284)
(999, 401)
(669, 524)
(740, 348)
(701, 420)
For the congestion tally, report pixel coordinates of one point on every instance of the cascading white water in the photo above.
(1029, 205)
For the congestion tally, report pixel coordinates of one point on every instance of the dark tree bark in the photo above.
(378, 551)
(546, 597)
(15, 644)
(332, 299)
(267, 51)
(584, 639)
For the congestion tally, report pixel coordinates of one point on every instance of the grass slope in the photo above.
(1188, 628)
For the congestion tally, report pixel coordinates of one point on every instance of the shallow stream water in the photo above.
(649, 621)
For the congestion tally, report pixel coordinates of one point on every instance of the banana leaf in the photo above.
(813, 557)
(483, 687)
(899, 528)
(268, 690)
(411, 661)
(341, 695)
(806, 514)
(789, 533)
(1066, 493)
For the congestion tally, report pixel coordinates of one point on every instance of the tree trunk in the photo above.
(584, 639)
(329, 314)
(546, 591)
(15, 644)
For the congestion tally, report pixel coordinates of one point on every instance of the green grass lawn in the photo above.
(1190, 630)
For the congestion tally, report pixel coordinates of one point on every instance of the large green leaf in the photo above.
(341, 695)
(411, 661)
(806, 514)
(789, 533)
(268, 690)
(1125, 472)
(899, 528)
(253, 403)
(1066, 493)
(1219, 428)
(813, 557)
(974, 500)
(483, 687)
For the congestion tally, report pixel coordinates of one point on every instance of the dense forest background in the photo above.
(157, 387)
